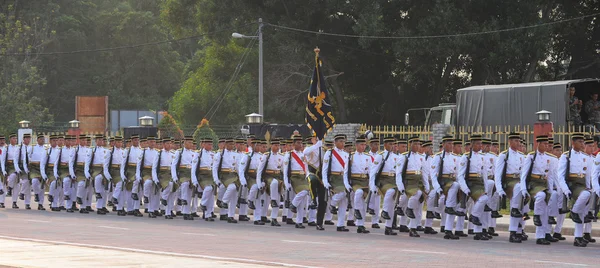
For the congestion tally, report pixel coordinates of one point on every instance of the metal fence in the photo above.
(560, 134)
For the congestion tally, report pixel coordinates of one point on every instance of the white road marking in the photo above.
(305, 242)
(158, 252)
(111, 227)
(38, 221)
(563, 263)
(423, 251)
(199, 234)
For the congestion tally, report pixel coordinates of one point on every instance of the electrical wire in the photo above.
(434, 36)
(123, 47)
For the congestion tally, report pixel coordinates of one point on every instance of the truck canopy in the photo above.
(516, 104)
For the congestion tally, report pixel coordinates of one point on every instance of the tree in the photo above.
(167, 127)
(204, 131)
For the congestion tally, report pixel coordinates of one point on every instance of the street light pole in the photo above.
(260, 68)
(260, 63)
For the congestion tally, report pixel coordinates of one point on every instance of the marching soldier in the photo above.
(24, 158)
(357, 176)
(472, 177)
(382, 177)
(270, 178)
(537, 177)
(374, 200)
(242, 203)
(202, 177)
(443, 179)
(146, 172)
(432, 197)
(494, 202)
(587, 224)
(132, 156)
(410, 180)
(573, 171)
(94, 170)
(247, 172)
(181, 172)
(224, 173)
(452, 210)
(36, 158)
(163, 174)
(334, 166)
(114, 172)
(69, 190)
(76, 170)
(558, 211)
(49, 170)
(314, 158)
(294, 176)
(507, 176)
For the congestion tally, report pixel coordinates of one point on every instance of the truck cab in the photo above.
(444, 113)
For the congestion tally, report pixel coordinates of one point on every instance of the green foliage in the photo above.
(204, 131)
(168, 127)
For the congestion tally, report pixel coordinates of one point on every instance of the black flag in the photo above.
(318, 107)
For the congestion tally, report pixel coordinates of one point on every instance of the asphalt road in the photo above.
(281, 246)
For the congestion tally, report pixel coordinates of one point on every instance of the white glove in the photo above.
(156, 182)
(219, 183)
(438, 191)
(467, 192)
(372, 188)
(501, 193)
(4, 173)
(524, 193)
(327, 185)
(288, 186)
(348, 187)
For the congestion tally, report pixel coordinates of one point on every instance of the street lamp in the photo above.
(146, 121)
(74, 124)
(260, 62)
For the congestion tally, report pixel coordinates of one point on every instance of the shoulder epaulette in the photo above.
(366, 154)
(439, 153)
(380, 153)
(504, 152)
(531, 153)
(566, 152)
(352, 153)
(493, 154)
(405, 153)
(552, 155)
(520, 152)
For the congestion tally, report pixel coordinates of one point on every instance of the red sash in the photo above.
(299, 161)
(339, 158)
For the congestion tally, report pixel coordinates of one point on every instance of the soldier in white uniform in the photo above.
(115, 174)
(560, 198)
(132, 156)
(95, 164)
(382, 178)
(472, 176)
(224, 171)
(410, 180)
(494, 201)
(269, 178)
(374, 200)
(432, 197)
(357, 176)
(587, 224)
(69, 190)
(24, 179)
(202, 177)
(49, 170)
(334, 166)
(181, 172)
(247, 171)
(146, 172)
(573, 170)
(294, 176)
(76, 170)
(36, 158)
(507, 176)
(537, 177)
(443, 178)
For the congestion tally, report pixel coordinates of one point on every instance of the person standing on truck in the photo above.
(574, 108)
(592, 108)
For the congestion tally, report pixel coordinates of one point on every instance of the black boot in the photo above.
(413, 232)
(470, 231)
(437, 215)
(275, 223)
(375, 226)
(36, 198)
(251, 205)
(83, 211)
(135, 197)
(420, 228)
(328, 223)
(9, 193)
(551, 220)
(116, 201)
(448, 235)
(385, 215)
(350, 223)
(399, 211)
(575, 217)
(460, 213)
(430, 215)
(304, 220)
(137, 213)
(403, 229)
(40, 207)
(524, 236)
(475, 220)
(410, 213)
(579, 242)
(79, 201)
(28, 207)
(460, 234)
(334, 210)
(320, 227)
(21, 196)
(98, 196)
(496, 215)
(312, 224)
(2, 205)
(537, 220)
(291, 222)
(450, 211)
(588, 237)
(480, 236)
(293, 209)
(342, 229)
(492, 231)
(429, 230)
(299, 226)
(362, 230)
(442, 229)
(485, 233)
(89, 209)
(101, 212)
(558, 236)
(487, 209)
(244, 218)
(371, 211)
(515, 213)
(357, 214)
(542, 241)
(389, 231)
(259, 223)
(549, 238)
(50, 198)
(14, 206)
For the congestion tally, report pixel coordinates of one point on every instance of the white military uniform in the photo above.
(187, 157)
(313, 161)
(388, 168)
(50, 164)
(25, 190)
(135, 156)
(360, 166)
(375, 202)
(270, 167)
(12, 158)
(150, 181)
(579, 168)
(94, 170)
(78, 158)
(513, 169)
(118, 161)
(36, 156)
(229, 164)
(69, 190)
(416, 164)
(252, 160)
(206, 162)
(339, 167)
(479, 167)
(300, 199)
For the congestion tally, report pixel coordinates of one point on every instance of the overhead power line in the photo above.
(125, 46)
(434, 36)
